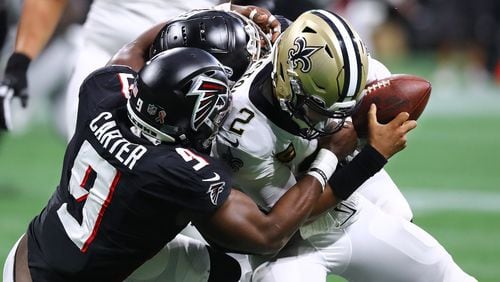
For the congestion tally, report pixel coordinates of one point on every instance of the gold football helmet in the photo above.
(320, 69)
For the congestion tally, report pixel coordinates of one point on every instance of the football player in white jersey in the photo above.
(282, 105)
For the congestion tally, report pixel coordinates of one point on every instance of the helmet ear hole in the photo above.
(203, 35)
(210, 73)
(184, 36)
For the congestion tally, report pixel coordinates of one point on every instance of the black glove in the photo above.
(14, 84)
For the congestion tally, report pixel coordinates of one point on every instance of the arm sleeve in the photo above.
(199, 190)
(104, 89)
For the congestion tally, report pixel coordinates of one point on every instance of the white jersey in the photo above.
(262, 154)
(268, 152)
(111, 24)
(269, 149)
(115, 22)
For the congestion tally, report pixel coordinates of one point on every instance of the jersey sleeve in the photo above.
(104, 89)
(195, 181)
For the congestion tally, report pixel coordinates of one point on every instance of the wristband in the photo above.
(323, 166)
(18, 62)
(347, 179)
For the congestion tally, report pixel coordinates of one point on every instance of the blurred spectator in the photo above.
(470, 29)
(50, 71)
(3, 22)
(463, 34)
(292, 10)
(268, 4)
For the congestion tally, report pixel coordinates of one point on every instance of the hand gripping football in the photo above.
(392, 95)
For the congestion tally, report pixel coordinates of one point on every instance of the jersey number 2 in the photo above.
(88, 162)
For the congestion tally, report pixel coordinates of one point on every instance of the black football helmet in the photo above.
(180, 96)
(234, 40)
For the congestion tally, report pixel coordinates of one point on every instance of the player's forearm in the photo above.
(267, 234)
(260, 233)
(326, 201)
(292, 210)
(321, 169)
(36, 26)
(136, 53)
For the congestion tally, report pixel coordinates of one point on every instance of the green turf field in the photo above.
(450, 173)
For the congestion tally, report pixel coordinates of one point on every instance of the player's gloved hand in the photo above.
(14, 84)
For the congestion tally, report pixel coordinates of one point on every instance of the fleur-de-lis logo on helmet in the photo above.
(301, 53)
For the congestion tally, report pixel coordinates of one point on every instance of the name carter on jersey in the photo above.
(107, 133)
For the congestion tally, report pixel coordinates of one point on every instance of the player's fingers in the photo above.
(400, 119)
(409, 125)
(372, 114)
(271, 19)
(275, 27)
(263, 18)
(259, 16)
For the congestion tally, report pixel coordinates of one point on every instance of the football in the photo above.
(392, 95)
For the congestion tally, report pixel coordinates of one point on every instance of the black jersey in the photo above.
(120, 198)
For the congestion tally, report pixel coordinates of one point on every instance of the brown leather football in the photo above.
(392, 95)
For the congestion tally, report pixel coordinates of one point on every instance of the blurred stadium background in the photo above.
(450, 171)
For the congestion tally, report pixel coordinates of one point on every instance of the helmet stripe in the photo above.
(350, 53)
(357, 52)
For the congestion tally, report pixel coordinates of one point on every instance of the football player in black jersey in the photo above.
(136, 172)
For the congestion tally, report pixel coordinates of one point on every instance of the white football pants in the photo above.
(182, 260)
(385, 194)
(375, 247)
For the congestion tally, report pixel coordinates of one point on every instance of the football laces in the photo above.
(379, 85)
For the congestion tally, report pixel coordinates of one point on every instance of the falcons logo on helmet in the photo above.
(302, 54)
(212, 95)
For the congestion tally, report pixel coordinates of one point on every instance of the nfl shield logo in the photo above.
(152, 109)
